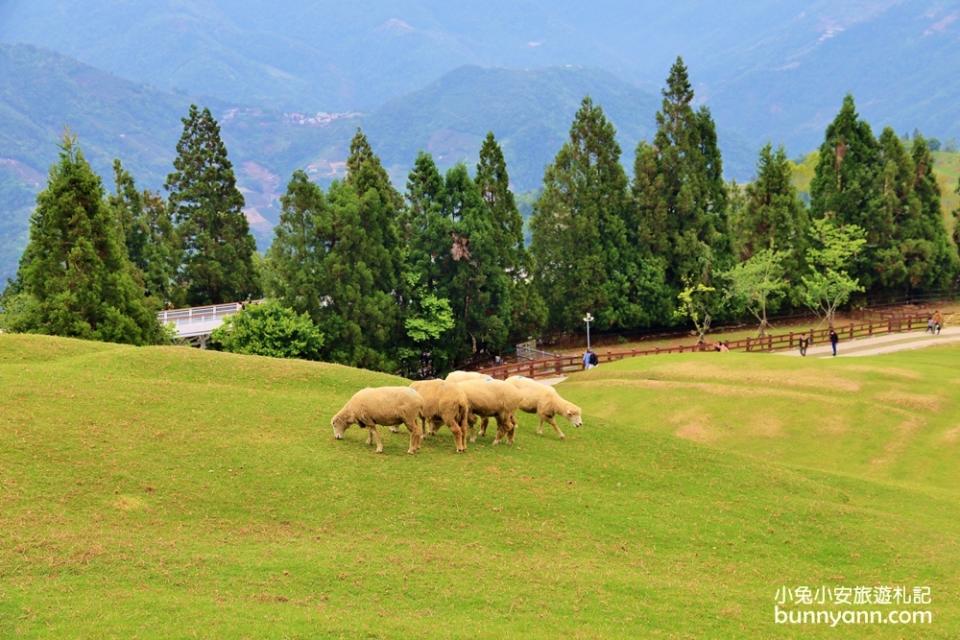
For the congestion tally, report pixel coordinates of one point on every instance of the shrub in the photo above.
(270, 329)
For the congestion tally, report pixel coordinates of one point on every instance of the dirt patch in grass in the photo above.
(899, 440)
(892, 372)
(693, 424)
(952, 436)
(812, 379)
(902, 399)
(734, 391)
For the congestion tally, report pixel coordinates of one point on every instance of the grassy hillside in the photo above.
(166, 492)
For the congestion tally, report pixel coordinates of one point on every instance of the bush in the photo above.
(270, 329)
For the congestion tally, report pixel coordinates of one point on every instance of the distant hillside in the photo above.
(529, 111)
(769, 70)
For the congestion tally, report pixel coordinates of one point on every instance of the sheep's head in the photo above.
(340, 422)
(572, 414)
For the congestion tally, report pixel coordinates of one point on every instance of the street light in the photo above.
(588, 319)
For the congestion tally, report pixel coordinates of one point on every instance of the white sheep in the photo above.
(546, 402)
(444, 403)
(493, 399)
(388, 406)
(463, 376)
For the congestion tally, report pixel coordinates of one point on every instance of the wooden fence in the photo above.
(562, 365)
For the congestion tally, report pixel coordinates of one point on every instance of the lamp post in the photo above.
(588, 319)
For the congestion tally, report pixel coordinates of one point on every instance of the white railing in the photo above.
(199, 314)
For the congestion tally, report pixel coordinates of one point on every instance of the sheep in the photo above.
(493, 398)
(546, 402)
(388, 406)
(444, 403)
(463, 376)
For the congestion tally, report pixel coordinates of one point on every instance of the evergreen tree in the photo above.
(931, 262)
(583, 248)
(425, 229)
(217, 248)
(678, 188)
(846, 187)
(75, 272)
(296, 257)
(149, 236)
(528, 310)
(771, 215)
(358, 313)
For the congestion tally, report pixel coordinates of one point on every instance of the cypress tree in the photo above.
(678, 188)
(148, 234)
(583, 254)
(296, 257)
(772, 215)
(217, 248)
(426, 230)
(75, 268)
(493, 180)
(847, 188)
(479, 286)
(931, 262)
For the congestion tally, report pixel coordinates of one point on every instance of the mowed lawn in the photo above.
(173, 493)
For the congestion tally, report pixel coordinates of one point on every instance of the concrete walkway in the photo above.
(889, 343)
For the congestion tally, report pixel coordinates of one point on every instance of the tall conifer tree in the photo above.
(771, 215)
(149, 236)
(678, 187)
(217, 263)
(846, 187)
(493, 180)
(75, 268)
(585, 258)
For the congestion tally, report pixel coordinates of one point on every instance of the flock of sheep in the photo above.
(457, 402)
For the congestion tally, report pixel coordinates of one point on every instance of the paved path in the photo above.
(888, 343)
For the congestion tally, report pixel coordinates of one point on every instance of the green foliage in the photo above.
(831, 251)
(75, 278)
(700, 304)
(217, 248)
(758, 284)
(846, 187)
(149, 236)
(270, 329)
(586, 257)
(771, 215)
(678, 188)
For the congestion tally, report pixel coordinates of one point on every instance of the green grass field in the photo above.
(173, 493)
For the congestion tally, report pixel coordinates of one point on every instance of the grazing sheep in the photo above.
(545, 401)
(463, 376)
(493, 399)
(388, 406)
(444, 403)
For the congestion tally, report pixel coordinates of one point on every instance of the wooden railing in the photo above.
(561, 365)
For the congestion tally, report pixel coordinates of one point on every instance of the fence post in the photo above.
(851, 331)
(748, 343)
(791, 340)
(910, 323)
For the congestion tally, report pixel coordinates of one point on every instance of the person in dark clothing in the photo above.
(804, 343)
(834, 339)
(594, 359)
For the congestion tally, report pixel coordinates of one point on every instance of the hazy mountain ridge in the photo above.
(769, 71)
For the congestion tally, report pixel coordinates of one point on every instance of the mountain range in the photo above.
(291, 81)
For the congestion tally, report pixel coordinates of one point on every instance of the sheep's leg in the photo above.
(376, 437)
(471, 422)
(512, 428)
(415, 435)
(540, 426)
(503, 426)
(369, 437)
(553, 423)
(458, 436)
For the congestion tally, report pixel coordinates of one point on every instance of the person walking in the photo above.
(937, 320)
(834, 339)
(594, 360)
(804, 343)
(586, 358)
